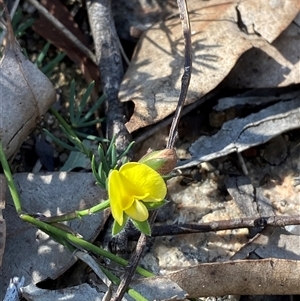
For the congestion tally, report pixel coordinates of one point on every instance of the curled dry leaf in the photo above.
(26, 94)
(238, 135)
(221, 32)
(30, 252)
(240, 277)
(269, 65)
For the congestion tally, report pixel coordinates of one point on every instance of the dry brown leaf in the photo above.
(221, 32)
(26, 94)
(30, 252)
(2, 221)
(240, 277)
(155, 288)
(74, 293)
(277, 65)
(238, 135)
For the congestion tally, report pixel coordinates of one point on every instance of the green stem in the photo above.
(131, 292)
(10, 181)
(50, 229)
(62, 121)
(77, 214)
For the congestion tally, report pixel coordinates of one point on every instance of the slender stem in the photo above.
(62, 121)
(77, 214)
(131, 292)
(79, 242)
(244, 222)
(171, 140)
(185, 81)
(10, 181)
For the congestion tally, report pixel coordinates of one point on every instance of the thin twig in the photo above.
(91, 262)
(247, 222)
(133, 262)
(63, 30)
(185, 80)
(172, 137)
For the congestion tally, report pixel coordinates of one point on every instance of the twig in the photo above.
(133, 262)
(91, 262)
(185, 81)
(247, 222)
(110, 66)
(172, 137)
(63, 30)
(151, 130)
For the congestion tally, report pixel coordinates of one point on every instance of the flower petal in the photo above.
(138, 211)
(118, 195)
(149, 185)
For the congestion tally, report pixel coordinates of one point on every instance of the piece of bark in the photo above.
(280, 244)
(238, 135)
(242, 191)
(257, 97)
(272, 242)
(264, 204)
(261, 238)
(110, 66)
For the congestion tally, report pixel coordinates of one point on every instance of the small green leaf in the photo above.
(144, 227)
(94, 108)
(48, 68)
(94, 169)
(83, 102)
(72, 102)
(126, 150)
(116, 228)
(60, 142)
(113, 157)
(155, 205)
(42, 55)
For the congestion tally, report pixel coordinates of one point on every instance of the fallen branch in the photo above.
(247, 222)
(110, 66)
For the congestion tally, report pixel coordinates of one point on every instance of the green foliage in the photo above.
(78, 118)
(106, 162)
(49, 67)
(20, 25)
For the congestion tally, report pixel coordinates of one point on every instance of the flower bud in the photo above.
(163, 161)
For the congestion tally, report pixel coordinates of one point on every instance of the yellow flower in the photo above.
(132, 185)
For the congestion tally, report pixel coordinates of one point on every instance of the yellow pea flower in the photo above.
(132, 185)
